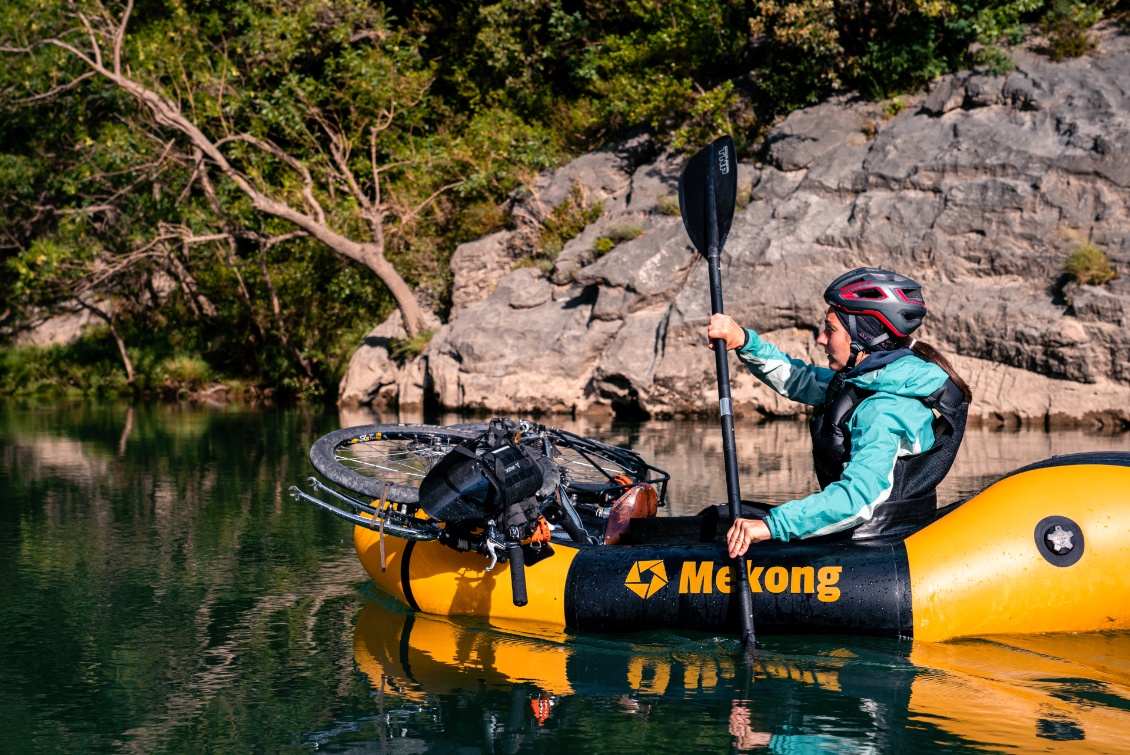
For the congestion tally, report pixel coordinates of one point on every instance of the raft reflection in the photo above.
(1020, 693)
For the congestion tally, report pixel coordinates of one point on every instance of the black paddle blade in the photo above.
(715, 165)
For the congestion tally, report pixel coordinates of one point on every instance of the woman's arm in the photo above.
(792, 378)
(881, 433)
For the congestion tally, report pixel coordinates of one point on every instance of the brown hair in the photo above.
(928, 353)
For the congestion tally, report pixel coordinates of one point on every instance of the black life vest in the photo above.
(912, 501)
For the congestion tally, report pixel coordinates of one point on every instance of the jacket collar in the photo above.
(877, 361)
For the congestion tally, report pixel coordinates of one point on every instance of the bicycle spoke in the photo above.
(404, 461)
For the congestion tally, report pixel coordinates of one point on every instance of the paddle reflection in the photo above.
(798, 695)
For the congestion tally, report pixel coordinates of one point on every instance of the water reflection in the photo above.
(1016, 693)
(158, 586)
(161, 593)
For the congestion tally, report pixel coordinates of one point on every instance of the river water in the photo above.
(162, 593)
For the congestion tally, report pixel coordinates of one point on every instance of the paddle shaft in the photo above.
(725, 405)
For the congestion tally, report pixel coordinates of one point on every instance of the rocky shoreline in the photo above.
(979, 189)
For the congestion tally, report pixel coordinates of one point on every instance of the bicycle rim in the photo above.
(388, 460)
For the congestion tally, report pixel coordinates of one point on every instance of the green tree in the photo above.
(284, 121)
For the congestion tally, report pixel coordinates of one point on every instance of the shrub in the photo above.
(1089, 265)
(616, 234)
(184, 372)
(621, 233)
(567, 220)
(541, 263)
(891, 108)
(995, 61)
(745, 196)
(403, 349)
(1067, 29)
(668, 204)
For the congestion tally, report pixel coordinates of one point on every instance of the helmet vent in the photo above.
(869, 293)
(912, 294)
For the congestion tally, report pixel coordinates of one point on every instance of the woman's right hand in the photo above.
(724, 327)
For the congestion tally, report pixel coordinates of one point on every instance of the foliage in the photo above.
(183, 373)
(1089, 265)
(893, 107)
(403, 349)
(668, 204)
(1066, 29)
(614, 235)
(85, 368)
(567, 220)
(995, 61)
(603, 246)
(450, 107)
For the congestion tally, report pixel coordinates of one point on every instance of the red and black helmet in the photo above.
(874, 304)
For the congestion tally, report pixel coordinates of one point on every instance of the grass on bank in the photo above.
(89, 368)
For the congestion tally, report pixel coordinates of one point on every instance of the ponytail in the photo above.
(928, 353)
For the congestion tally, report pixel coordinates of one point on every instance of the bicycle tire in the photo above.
(364, 458)
(350, 458)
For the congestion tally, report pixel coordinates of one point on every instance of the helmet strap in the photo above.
(852, 326)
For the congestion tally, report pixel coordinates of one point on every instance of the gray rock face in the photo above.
(374, 379)
(979, 189)
(477, 267)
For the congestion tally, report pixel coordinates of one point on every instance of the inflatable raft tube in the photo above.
(1046, 549)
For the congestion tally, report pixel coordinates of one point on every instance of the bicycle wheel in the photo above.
(363, 459)
(584, 460)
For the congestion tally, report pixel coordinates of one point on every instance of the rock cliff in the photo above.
(980, 189)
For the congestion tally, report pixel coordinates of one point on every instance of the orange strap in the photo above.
(622, 479)
(541, 532)
(541, 707)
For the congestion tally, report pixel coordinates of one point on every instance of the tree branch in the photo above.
(373, 213)
(57, 90)
(277, 309)
(302, 170)
(95, 47)
(411, 215)
(168, 114)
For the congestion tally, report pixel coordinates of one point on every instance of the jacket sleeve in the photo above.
(792, 378)
(883, 428)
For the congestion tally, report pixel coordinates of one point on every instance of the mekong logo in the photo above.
(638, 581)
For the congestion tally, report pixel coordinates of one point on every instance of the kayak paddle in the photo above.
(708, 192)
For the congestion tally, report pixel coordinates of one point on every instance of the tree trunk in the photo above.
(410, 309)
(113, 332)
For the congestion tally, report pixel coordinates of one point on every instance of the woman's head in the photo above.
(877, 308)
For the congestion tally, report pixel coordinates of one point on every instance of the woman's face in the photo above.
(835, 340)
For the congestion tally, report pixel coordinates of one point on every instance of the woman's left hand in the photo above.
(745, 532)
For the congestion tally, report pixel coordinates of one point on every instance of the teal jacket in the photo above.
(888, 425)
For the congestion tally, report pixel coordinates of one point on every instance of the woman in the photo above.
(890, 412)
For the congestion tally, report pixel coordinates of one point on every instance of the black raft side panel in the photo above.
(829, 588)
